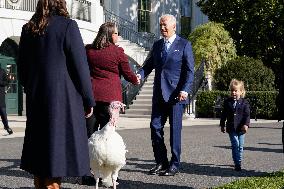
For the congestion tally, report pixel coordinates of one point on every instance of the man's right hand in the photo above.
(138, 78)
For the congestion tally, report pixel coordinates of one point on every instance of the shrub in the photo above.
(264, 103)
(211, 42)
(205, 102)
(255, 75)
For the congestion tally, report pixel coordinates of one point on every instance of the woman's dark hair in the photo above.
(104, 36)
(45, 9)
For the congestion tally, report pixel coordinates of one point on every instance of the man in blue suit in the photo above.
(172, 59)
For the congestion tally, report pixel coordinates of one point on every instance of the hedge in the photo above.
(255, 75)
(264, 102)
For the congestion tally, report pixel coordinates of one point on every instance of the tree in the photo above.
(257, 26)
(212, 43)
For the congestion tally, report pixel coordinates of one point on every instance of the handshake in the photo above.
(138, 76)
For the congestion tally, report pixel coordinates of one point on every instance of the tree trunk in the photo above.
(209, 80)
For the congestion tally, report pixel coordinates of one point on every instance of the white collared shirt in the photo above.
(170, 40)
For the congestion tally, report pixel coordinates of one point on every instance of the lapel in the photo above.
(238, 105)
(172, 47)
(231, 104)
(161, 45)
(160, 51)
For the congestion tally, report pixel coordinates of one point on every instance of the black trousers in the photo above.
(3, 115)
(99, 119)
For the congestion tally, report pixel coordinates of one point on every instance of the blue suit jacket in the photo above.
(232, 118)
(173, 75)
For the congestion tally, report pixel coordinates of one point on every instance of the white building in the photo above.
(145, 14)
(141, 16)
(137, 21)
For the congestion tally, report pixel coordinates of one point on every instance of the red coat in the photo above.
(106, 67)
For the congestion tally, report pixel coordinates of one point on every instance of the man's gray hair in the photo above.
(172, 19)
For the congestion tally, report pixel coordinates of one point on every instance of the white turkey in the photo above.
(107, 149)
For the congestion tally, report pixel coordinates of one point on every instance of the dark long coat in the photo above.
(54, 72)
(3, 82)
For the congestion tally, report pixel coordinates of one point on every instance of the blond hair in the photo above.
(237, 84)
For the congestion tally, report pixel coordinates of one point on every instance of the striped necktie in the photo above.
(165, 51)
(167, 45)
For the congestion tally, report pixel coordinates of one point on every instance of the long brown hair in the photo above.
(104, 36)
(45, 9)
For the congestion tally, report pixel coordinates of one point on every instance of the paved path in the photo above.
(17, 123)
(206, 157)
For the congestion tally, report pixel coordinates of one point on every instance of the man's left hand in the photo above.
(182, 96)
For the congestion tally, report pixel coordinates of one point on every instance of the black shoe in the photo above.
(158, 169)
(169, 172)
(9, 130)
(88, 180)
(238, 168)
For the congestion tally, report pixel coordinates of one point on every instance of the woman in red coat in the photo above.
(107, 63)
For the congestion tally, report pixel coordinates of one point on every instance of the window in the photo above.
(144, 9)
(185, 19)
(185, 8)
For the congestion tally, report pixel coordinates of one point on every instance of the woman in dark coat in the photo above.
(54, 72)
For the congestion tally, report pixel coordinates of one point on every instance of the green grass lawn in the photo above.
(269, 181)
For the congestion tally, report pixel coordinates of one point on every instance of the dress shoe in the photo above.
(9, 130)
(238, 168)
(157, 169)
(169, 172)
